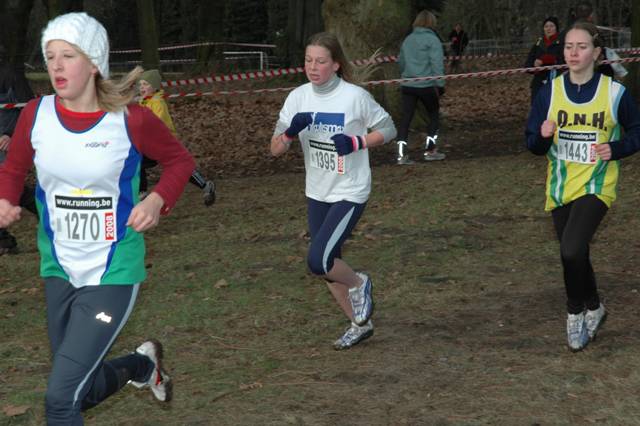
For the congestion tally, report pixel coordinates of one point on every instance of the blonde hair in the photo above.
(346, 71)
(113, 95)
(425, 19)
(116, 95)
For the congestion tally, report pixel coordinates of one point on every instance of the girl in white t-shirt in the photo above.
(336, 122)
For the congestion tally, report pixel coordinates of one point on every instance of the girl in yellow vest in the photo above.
(152, 97)
(575, 121)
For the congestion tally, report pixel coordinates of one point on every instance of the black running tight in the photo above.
(575, 224)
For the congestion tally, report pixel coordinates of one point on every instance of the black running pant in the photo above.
(575, 224)
(430, 98)
(82, 324)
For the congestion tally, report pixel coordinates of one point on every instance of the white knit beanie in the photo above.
(84, 32)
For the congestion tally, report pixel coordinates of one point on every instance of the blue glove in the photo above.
(346, 144)
(298, 123)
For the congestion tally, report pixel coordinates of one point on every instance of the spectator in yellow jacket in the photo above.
(152, 97)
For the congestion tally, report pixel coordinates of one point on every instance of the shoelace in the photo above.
(574, 325)
(351, 334)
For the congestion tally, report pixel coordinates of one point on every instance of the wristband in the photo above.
(359, 142)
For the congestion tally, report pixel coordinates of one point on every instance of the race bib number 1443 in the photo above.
(577, 147)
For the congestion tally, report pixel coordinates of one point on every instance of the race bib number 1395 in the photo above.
(323, 156)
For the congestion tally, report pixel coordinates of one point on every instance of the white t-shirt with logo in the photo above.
(347, 109)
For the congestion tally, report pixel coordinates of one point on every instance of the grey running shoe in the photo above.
(361, 299)
(354, 335)
(433, 156)
(404, 160)
(209, 193)
(159, 381)
(594, 319)
(577, 335)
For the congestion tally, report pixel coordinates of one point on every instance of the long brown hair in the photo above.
(346, 71)
(330, 42)
(591, 29)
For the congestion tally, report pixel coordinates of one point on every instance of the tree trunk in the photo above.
(210, 28)
(14, 21)
(305, 19)
(365, 26)
(148, 34)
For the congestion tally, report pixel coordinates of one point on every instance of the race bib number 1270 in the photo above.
(84, 219)
(577, 147)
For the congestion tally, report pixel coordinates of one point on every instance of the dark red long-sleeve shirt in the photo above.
(147, 132)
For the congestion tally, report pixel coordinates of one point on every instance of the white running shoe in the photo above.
(159, 381)
(594, 319)
(577, 335)
(354, 335)
(361, 299)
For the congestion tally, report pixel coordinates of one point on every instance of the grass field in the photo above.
(470, 317)
(469, 323)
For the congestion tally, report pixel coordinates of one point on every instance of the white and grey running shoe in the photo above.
(159, 381)
(354, 335)
(577, 335)
(361, 299)
(594, 319)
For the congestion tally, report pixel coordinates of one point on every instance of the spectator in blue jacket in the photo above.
(421, 55)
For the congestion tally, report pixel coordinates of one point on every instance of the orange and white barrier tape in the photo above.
(480, 74)
(298, 70)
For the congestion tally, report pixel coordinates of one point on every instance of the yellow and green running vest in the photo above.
(574, 168)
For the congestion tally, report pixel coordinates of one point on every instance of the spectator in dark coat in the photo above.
(459, 41)
(546, 51)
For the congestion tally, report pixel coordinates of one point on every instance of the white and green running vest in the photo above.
(87, 185)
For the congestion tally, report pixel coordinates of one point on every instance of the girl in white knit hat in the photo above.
(87, 143)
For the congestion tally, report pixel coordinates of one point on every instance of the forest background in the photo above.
(365, 25)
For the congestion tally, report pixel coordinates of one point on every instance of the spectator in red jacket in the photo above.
(546, 51)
